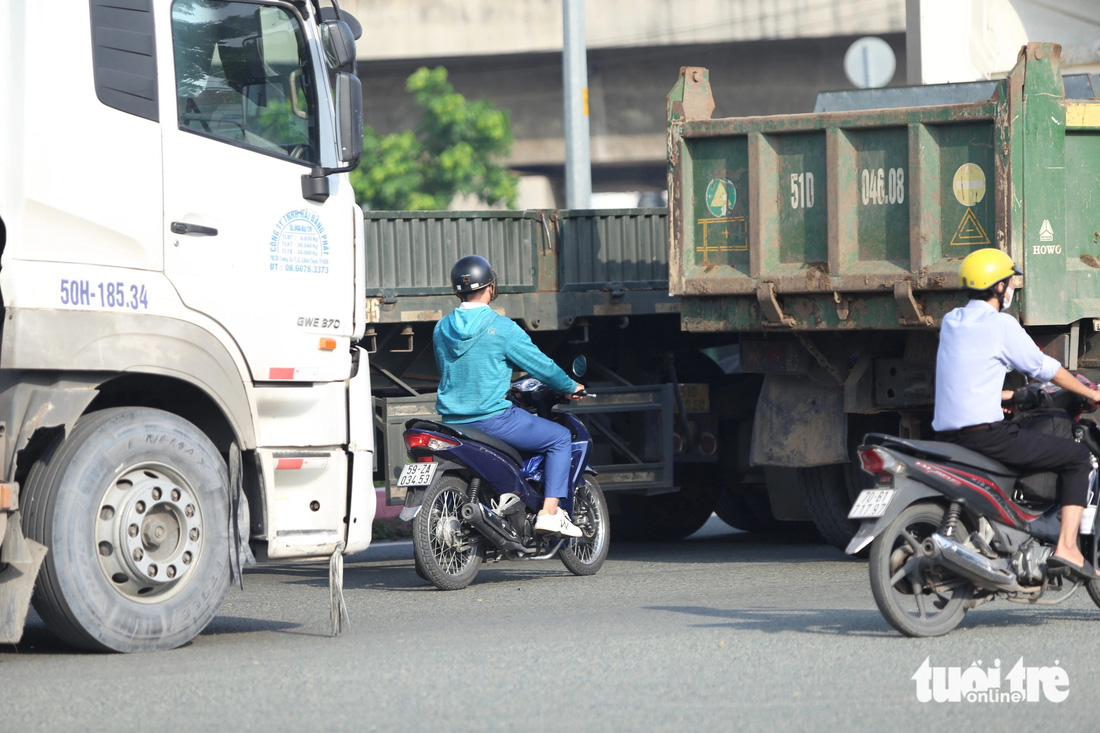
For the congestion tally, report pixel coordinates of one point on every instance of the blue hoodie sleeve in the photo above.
(523, 354)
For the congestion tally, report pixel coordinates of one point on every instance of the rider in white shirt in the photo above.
(979, 344)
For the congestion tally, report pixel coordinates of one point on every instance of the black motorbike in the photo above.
(950, 529)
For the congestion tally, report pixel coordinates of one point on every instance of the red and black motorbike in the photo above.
(950, 529)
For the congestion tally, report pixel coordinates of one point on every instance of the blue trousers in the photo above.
(526, 432)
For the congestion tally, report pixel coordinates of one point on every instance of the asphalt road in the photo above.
(725, 631)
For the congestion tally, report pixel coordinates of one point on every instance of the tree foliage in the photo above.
(454, 149)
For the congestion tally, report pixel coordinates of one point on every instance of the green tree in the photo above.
(454, 149)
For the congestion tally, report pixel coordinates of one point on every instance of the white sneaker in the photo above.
(556, 524)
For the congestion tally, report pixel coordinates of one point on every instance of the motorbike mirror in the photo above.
(580, 366)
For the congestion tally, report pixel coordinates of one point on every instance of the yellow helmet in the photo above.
(985, 268)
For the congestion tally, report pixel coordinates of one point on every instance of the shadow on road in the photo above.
(855, 622)
(399, 575)
(38, 641)
(845, 622)
(732, 548)
(242, 625)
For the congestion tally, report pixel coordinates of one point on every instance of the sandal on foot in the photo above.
(1084, 571)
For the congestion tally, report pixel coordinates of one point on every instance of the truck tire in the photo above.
(669, 517)
(133, 506)
(827, 491)
(830, 491)
(752, 512)
(745, 511)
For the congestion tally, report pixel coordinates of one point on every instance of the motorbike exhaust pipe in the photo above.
(967, 563)
(492, 527)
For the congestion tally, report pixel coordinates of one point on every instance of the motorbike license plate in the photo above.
(417, 474)
(871, 503)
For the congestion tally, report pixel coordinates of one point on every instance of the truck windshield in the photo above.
(244, 76)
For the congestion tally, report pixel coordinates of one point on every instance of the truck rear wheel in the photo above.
(748, 511)
(830, 491)
(133, 506)
(826, 492)
(672, 516)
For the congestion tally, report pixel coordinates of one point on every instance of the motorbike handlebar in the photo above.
(1046, 395)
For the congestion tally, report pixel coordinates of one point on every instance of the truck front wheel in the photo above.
(132, 506)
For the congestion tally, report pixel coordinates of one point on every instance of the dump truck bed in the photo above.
(858, 220)
(553, 267)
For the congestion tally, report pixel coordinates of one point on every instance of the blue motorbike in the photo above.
(474, 498)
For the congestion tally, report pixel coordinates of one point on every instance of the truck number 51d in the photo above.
(802, 190)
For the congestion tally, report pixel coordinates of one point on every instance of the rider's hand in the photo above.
(1006, 395)
(576, 393)
(1094, 398)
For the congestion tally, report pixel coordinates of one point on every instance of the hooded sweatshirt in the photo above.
(476, 350)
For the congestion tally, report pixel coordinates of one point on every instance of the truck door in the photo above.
(242, 245)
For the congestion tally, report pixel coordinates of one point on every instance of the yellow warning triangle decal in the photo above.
(970, 231)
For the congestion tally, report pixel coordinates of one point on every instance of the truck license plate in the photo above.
(871, 503)
(417, 474)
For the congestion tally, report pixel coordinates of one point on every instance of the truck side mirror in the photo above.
(349, 117)
(339, 44)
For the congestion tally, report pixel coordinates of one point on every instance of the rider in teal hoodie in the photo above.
(476, 351)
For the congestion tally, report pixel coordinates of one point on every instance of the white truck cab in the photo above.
(182, 283)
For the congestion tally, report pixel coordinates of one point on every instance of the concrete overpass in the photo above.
(765, 57)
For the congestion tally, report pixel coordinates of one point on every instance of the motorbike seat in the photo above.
(942, 451)
(465, 431)
(1037, 488)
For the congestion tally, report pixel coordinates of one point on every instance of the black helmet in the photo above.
(470, 273)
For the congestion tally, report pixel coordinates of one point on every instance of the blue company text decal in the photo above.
(93, 293)
(299, 244)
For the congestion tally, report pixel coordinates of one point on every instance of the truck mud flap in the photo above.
(23, 558)
(799, 423)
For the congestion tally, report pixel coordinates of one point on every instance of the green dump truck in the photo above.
(827, 246)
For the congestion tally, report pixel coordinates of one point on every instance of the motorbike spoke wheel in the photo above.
(585, 555)
(445, 553)
(916, 598)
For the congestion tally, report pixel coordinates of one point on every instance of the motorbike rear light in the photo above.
(431, 442)
(708, 444)
(872, 462)
(878, 462)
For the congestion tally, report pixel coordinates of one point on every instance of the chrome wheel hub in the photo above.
(149, 532)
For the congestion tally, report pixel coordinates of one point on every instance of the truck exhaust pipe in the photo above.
(967, 563)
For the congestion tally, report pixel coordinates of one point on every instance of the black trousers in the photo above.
(1027, 450)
